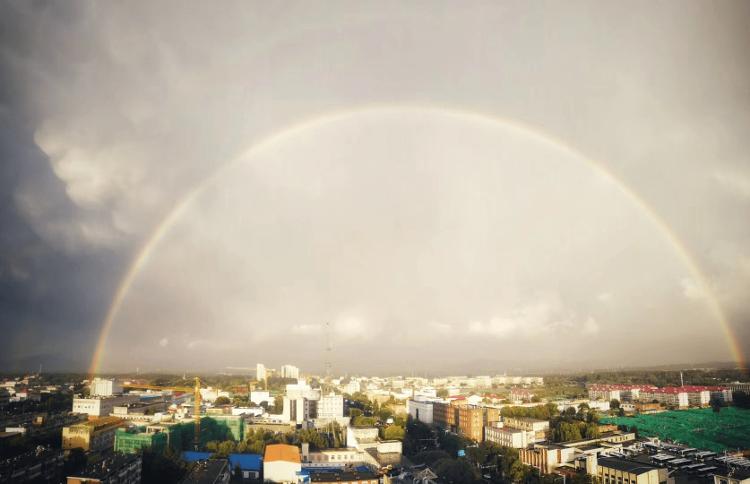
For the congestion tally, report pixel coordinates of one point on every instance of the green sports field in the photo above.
(701, 428)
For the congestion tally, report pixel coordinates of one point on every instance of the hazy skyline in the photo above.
(449, 186)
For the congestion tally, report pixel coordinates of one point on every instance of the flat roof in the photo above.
(625, 465)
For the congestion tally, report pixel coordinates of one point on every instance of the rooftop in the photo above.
(631, 467)
(284, 452)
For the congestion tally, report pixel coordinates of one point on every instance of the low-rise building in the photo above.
(118, 469)
(281, 463)
(539, 427)
(508, 437)
(92, 436)
(39, 465)
(133, 439)
(547, 457)
(611, 470)
(101, 406)
(420, 410)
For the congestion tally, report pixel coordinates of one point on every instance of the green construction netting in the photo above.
(700, 428)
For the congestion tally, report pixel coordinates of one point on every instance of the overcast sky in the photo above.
(430, 202)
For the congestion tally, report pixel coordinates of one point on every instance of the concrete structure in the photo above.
(118, 469)
(444, 415)
(246, 466)
(472, 419)
(330, 407)
(508, 437)
(548, 457)
(40, 465)
(674, 396)
(420, 410)
(258, 397)
(289, 371)
(91, 436)
(260, 372)
(281, 463)
(619, 471)
(101, 387)
(332, 457)
(130, 441)
(101, 406)
(540, 428)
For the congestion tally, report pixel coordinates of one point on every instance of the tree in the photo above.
(75, 462)
(456, 471)
(429, 457)
(222, 401)
(614, 404)
(715, 404)
(161, 467)
(394, 432)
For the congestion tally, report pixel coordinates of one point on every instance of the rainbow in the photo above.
(178, 210)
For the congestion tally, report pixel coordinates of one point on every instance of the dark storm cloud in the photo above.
(111, 112)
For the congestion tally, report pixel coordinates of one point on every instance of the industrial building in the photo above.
(281, 463)
(117, 469)
(133, 439)
(508, 437)
(102, 406)
(91, 436)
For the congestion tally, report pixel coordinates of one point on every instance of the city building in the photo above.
(260, 372)
(444, 415)
(547, 457)
(102, 406)
(281, 463)
(612, 470)
(330, 406)
(247, 467)
(133, 439)
(91, 436)
(289, 371)
(356, 475)
(508, 437)
(257, 397)
(420, 410)
(39, 465)
(103, 387)
(539, 427)
(332, 457)
(674, 396)
(117, 469)
(472, 420)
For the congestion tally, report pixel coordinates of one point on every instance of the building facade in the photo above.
(91, 436)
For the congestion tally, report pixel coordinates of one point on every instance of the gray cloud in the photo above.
(406, 230)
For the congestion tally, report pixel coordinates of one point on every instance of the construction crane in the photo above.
(196, 403)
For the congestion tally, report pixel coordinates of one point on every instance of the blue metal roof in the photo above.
(193, 456)
(246, 462)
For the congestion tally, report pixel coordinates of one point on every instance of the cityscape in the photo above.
(374, 242)
(284, 425)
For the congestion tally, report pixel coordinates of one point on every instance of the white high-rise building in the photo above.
(331, 406)
(260, 372)
(102, 387)
(289, 371)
